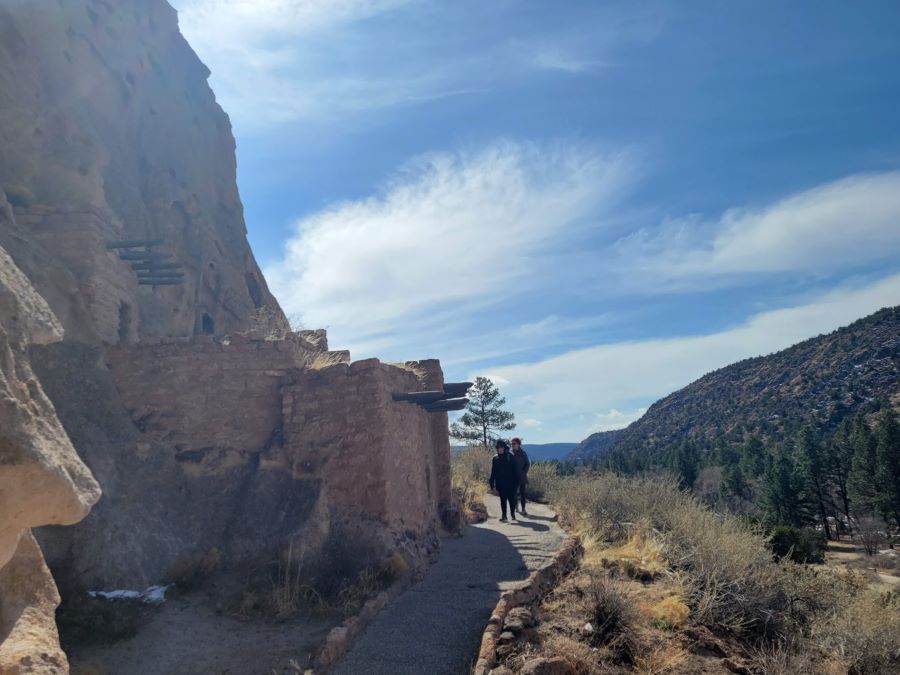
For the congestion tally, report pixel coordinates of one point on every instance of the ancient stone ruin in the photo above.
(205, 420)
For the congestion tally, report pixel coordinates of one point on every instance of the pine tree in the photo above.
(753, 456)
(812, 460)
(785, 493)
(863, 481)
(484, 414)
(840, 461)
(887, 468)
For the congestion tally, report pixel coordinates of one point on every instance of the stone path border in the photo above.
(340, 638)
(536, 585)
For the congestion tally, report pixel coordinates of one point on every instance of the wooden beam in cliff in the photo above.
(153, 266)
(134, 243)
(147, 256)
(148, 264)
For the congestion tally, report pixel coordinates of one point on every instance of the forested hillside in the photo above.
(821, 381)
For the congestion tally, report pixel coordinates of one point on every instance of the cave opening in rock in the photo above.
(124, 321)
(253, 289)
(208, 325)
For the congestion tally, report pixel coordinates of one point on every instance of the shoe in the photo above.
(503, 520)
(523, 513)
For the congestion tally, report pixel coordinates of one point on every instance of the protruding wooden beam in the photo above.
(160, 282)
(144, 255)
(447, 406)
(133, 243)
(457, 388)
(420, 397)
(155, 266)
(158, 275)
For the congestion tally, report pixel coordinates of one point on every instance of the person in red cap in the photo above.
(522, 464)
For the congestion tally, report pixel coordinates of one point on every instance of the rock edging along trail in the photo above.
(527, 592)
(436, 625)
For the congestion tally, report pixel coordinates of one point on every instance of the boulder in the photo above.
(42, 481)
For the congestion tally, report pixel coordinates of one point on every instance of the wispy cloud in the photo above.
(460, 228)
(559, 60)
(627, 376)
(833, 227)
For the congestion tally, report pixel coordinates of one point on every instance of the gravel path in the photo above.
(435, 627)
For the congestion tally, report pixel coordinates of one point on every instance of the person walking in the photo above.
(503, 479)
(522, 464)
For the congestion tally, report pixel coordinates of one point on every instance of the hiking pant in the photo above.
(508, 498)
(521, 490)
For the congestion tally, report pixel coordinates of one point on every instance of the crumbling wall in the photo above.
(41, 481)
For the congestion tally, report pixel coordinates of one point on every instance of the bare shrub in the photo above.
(865, 633)
(541, 477)
(612, 615)
(732, 582)
(871, 533)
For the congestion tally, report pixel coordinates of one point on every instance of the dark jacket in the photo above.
(503, 474)
(522, 464)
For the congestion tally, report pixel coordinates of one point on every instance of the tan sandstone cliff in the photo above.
(42, 481)
(207, 422)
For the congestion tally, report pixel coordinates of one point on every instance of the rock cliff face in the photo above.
(206, 421)
(42, 481)
(110, 132)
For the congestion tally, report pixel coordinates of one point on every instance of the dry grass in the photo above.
(471, 469)
(325, 359)
(723, 576)
(669, 613)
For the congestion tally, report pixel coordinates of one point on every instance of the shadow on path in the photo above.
(435, 627)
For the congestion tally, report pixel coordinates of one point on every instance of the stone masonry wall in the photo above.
(204, 393)
(379, 461)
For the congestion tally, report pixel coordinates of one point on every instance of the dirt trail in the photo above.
(434, 628)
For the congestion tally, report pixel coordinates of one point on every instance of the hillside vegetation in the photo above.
(819, 382)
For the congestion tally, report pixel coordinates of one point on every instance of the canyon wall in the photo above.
(207, 422)
(42, 481)
(110, 132)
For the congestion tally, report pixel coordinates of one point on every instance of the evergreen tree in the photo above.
(812, 460)
(785, 494)
(840, 460)
(484, 414)
(863, 481)
(887, 471)
(685, 463)
(753, 456)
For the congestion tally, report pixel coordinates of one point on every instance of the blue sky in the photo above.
(594, 203)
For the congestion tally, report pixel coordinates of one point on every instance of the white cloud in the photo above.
(450, 228)
(622, 376)
(531, 423)
(832, 227)
(615, 419)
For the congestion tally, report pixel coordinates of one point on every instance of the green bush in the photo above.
(541, 477)
(800, 544)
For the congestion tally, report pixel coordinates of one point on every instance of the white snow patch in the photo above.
(152, 595)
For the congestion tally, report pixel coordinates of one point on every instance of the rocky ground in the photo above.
(436, 625)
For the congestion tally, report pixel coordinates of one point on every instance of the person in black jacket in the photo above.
(503, 479)
(522, 464)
